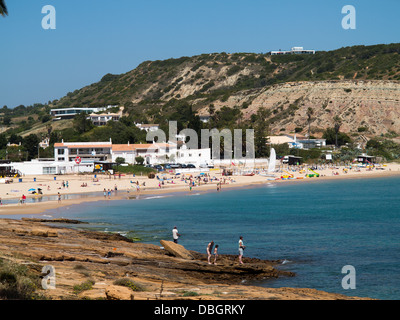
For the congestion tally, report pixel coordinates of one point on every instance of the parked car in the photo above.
(183, 166)
(190, 165)
(158, 167)
(174, 165)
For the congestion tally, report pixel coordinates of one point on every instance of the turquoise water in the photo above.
(317, 227)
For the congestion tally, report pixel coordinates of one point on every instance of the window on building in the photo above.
(61, 151)
(49, 170)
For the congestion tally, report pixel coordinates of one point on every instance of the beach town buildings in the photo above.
(78, 157)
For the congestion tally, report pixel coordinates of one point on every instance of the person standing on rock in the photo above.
(209, 251)
(241, 249)
(215, 254)
(175, 234)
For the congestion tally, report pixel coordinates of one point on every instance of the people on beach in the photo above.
(23, 199)
(59, 197)
(175, 234)
(215, 254)
(241, 249)
(209, 251)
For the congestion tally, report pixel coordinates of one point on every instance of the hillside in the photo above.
(360, 84)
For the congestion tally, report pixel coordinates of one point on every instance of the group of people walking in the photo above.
(210, 247)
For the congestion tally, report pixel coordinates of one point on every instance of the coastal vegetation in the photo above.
(17, 281)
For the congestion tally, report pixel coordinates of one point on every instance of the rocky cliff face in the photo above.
(359, 103)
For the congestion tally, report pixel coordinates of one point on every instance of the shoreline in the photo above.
(82, 196)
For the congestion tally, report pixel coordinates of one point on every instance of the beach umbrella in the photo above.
(32, 189)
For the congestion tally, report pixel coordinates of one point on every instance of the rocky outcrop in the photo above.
(58, 220)
(118, 293)
(79, 257)
(176, 250)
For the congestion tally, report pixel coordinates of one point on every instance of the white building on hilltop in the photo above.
(69, 113)
(294, 50)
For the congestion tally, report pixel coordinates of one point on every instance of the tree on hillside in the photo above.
(81, 123)
(337, 125)
(261, 132)
(3, 141)
(310, 113)
(3, 8)
(332, 136)
(30, 144)
(7, 120)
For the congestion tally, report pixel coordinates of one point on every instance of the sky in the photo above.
(93, 38)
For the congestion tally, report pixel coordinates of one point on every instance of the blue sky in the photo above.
(93, 38)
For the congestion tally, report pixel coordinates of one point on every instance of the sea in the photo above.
(339, 236)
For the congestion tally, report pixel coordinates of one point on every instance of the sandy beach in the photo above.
(75, 189)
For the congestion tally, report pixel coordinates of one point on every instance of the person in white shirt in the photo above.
(241, 248)
(175, 234)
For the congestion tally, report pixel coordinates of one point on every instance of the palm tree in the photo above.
(3, 8)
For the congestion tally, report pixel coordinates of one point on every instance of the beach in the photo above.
(75, 189)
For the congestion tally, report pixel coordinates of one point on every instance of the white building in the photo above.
(148, 127)
(101, 119)
(198, 157)
(152, 153)
(44, 143)
(39, 167)
(93, 151)
(69, 113)
(297, 142)
(294, 50)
